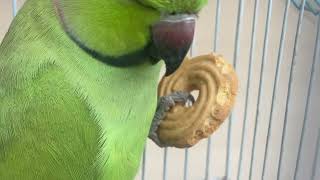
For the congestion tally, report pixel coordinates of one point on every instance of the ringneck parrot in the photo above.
(78, 84)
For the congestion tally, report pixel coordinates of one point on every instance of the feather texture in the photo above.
(63, 113)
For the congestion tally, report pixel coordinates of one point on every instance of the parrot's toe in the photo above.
(164, 105)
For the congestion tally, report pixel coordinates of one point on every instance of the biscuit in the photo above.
(217, 84)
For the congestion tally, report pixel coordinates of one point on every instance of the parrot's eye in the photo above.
(173, 13)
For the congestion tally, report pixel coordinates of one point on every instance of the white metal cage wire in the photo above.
(305, 9)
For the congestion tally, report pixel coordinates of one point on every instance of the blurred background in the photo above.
(274, 128)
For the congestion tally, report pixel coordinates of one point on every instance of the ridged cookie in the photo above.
(217, 83)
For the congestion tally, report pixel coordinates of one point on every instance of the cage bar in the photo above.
(165, 157)
(289, 87)
(14, 7)
(316, 158)
(276, 84)
(235, 58)
(215, 44)
(264, 57)
(143, 166)
(306, 117)
(253, 41)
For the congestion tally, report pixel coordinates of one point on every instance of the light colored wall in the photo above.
(226, 44)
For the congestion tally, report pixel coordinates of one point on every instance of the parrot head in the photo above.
(127, 32)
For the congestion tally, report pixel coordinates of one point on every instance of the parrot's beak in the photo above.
(172, 37)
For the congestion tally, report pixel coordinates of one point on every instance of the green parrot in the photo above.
(78, 84)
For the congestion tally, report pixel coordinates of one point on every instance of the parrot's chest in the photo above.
(125, 126)
(122, 103)
(124, 115)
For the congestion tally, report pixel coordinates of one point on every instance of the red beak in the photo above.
(172, 38)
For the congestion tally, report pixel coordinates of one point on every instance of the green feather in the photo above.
(63, 113)
(176, 6)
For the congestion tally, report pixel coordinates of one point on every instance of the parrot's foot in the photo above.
(164, 105)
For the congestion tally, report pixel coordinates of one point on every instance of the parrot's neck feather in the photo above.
(136, 57)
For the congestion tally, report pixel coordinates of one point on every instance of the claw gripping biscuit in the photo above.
(217, 83)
